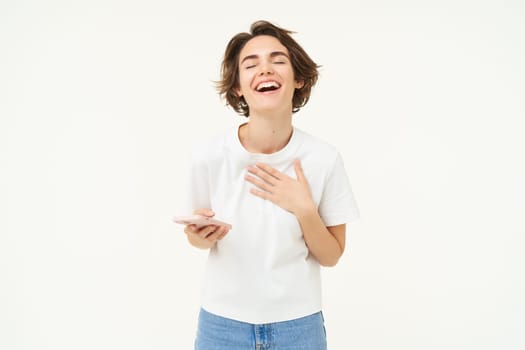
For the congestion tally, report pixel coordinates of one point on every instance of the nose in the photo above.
(266, 68)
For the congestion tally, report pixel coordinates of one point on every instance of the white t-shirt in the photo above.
(261, 271)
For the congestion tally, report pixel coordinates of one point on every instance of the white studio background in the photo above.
(101, 100)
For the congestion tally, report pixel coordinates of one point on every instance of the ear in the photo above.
(299, 84)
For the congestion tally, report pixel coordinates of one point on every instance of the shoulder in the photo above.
(212, 148)
(322, 150)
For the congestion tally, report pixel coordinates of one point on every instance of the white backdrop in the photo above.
(100, 100)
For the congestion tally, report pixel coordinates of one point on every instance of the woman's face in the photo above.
(266, 78)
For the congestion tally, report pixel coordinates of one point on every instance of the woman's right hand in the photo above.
(207, 236)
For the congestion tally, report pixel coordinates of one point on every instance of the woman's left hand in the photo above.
(290, 194)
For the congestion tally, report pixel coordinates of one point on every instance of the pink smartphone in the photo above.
(199, 220)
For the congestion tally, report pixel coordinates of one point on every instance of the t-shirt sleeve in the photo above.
(198, 186)
(338, 205)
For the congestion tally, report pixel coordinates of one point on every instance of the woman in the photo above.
(285, 193)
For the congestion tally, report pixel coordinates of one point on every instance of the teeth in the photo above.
(267, 84)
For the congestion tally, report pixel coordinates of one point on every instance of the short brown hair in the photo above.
(304, 68)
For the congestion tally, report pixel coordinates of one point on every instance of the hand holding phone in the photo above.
(200, 221)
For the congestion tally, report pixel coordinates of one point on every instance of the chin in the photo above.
(270, 109)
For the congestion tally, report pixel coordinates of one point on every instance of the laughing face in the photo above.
(266, 78)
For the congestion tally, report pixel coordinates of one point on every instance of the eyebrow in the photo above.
(272, 55)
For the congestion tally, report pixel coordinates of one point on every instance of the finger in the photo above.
(299, 171)
(270, 170)
(190, 229)
(261, 184)
(262, 174)
(207, 230)
(262, 194)
(223, 233)
(214, 236)
(204, 211)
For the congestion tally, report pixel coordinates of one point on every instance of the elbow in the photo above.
(332, 259)
(329, 261)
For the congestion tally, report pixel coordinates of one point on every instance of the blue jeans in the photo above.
(219, 333)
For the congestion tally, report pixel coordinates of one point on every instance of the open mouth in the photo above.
(267, 86)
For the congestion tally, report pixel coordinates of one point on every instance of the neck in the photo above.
(266, 134)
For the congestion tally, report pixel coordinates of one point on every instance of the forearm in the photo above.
(322, 244)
